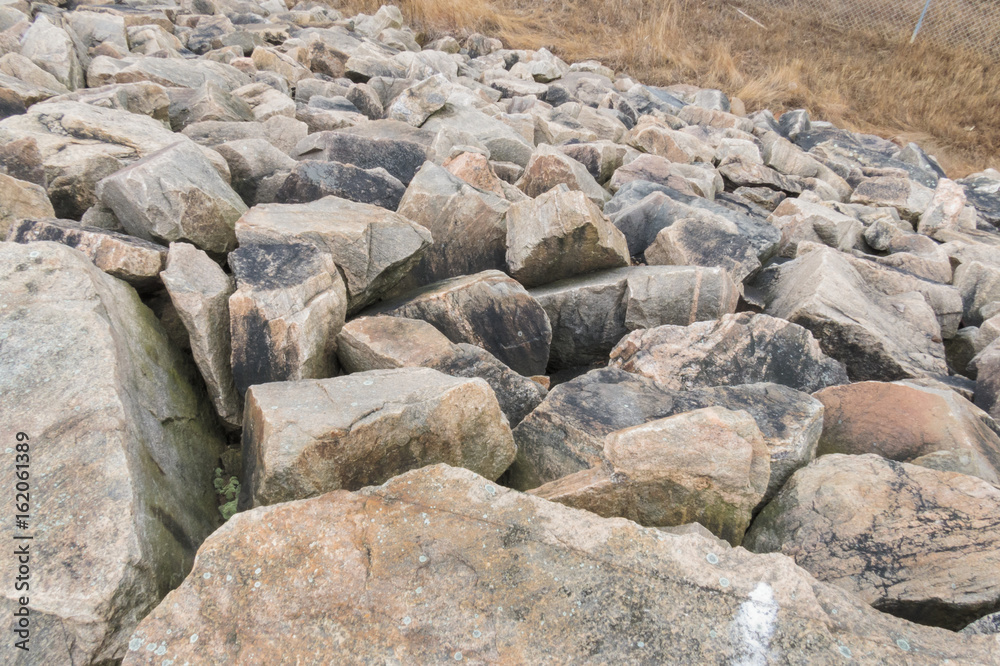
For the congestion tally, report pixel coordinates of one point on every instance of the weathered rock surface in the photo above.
(21, 200)
(86, 363)
(438, 565)
(488, 310)
(290, 302)
(918, 543)
(739, 348)
(877, 336)
(706, 239)
(468, 225)
(902, 421)
(379, 343)
(175, 195)
(565, 434)
(549, 167)
(372, 246)
(200, 291)
(708, 466)
(389, 144)
(559, 234)
(310, 180)
(591, 313)
(134, 260)
(307, 438)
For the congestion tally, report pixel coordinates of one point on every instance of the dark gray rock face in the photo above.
(392, 145)
(311, 180)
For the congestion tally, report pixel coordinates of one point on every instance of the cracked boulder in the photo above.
(457, 586)
(290, 302)
(488, 310)
(550, 167)
(84, 358)
(565, 434)
(877, 335)
(559, 234)
(309, 437)
(373, 247)
(914, 542)
(708, 466)
(741, 348)
(589, 314)
(380, 343)
(175, 195)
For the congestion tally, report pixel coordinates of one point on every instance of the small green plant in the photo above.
(229, 490)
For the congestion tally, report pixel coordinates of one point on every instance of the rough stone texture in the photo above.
(419, 101)
(372, 246)
(488, 310)
(907, 196)
(307, 438)
(395, 146)
(591, 313)
(905, 422)
(134, 260)
(704, 240)
(708, 466)
(52, 49)
(310, 180)
(801, 221)
(549, 167)
(468, 225)
(559, 234)
(985, 366)
(21, 200)
(987, 625)
(979, 284)
(115, 424)
(651, 136)
(252, 163)
(475, 169)
(946, 210)
(200, 291)
(290, 302)
(175, 195)
(742, 348)
(914, 542)
(565, 434)
(379, 343)
(877, 336)
(456, 585)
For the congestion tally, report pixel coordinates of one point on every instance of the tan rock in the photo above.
(474, 168)
(903, 421)
(654, 137)
(379, 343)
(914, 542)
(112, 420)
(21, 200)
(802, 221)
(705, 239)
(307, 438)
(741, 348)
(134, 260)
(431, 580)
(708, 466)
(549, 167)
(200, 291)
(907, 196)
(559, 234)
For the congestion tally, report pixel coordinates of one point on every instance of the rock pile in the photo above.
(589, 335)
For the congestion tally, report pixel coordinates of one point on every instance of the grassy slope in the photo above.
(947, 101)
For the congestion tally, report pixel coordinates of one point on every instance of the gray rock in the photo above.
(803, 221)
(419, 101)
(988, 625)
(310, 180)
(907, 196)
(175, 194)
(549, 167)
(21, 200)
(488, 310)
(379, 343)
(591, 314)
(705, 239)
(207, 103)
(252, 162)
(52, 49)
(390, 144)
(200, 291)
(83, 357)
(289, 305)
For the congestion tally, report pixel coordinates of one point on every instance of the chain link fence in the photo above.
(972, 25)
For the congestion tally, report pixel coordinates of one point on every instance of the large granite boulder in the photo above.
(373, 247)
(432, 580)
(708, 466)
(309, 437)
(741, 348)
(915, 542)
(379, 343)
(121, 446)
(20, 200)
(487, 309)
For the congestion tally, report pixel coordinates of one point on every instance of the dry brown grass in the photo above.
(946, 100)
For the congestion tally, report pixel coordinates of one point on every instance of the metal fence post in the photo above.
(921, 21)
